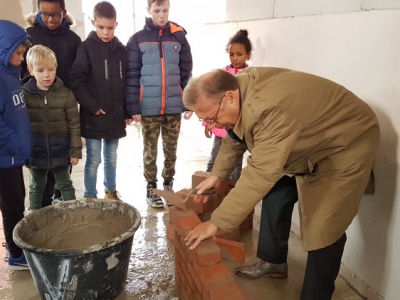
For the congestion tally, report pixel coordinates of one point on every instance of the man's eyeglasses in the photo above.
(214, 120)
(55, 16)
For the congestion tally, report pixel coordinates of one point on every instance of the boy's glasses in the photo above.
(214, 120)
(55, 16)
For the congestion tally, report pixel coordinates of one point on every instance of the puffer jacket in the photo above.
(98, 80)
(63, 41)
(54, 118)
(15, 129)
(159, 67)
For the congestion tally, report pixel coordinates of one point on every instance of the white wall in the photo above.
(357, 44)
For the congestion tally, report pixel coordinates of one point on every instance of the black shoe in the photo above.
(153, 199)
(263, 268)
(168, 186)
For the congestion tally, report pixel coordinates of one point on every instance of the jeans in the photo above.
(38, 184)
(93, 160)
(12, 193)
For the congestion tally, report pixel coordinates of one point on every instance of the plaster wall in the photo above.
(357, 44)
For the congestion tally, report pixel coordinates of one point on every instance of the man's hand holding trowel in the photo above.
(206, 229)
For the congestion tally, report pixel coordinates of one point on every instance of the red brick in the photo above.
(231, 250)
(199, 208)
(229, 291)
(186, 222)
(207, 253)
(175, 213)
(170, 231)
(198, 177)
(195, 276)
(232, 236)
(214, 273)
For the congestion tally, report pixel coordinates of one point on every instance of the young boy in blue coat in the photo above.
(15, 136)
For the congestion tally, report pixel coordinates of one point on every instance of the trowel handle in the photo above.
(206, 192)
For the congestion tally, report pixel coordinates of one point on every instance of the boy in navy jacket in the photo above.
(15, 136)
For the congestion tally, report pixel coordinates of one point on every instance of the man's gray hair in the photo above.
(210, 85)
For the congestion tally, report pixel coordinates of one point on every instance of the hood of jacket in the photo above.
(32, 21)
(11, 36)
(114, 42)
(174, 27)
(32, 88)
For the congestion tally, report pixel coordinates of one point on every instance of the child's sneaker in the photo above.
(168, 186)
(153, 199)
(112, 195)
(18, 264)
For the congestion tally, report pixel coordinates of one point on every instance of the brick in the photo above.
(175, 213)
(205, 217)
(207, 253)
(229, 291)
(170, 231)
(186, 222)
(198, 207)
(195, 276)
(232, 236)
(214, 273)
(198, 177)
(231, 250)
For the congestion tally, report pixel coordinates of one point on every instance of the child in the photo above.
(239, 49)
(159, 67)
(50, 27)
(54, 117)
(15, 136)
(99, 81)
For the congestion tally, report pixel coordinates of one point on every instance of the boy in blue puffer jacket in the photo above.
(15, 136)
(159, 67)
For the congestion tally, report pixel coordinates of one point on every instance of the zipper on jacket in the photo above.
(120, 69)
(12, 160)
(46, 126)
(106, 68)
(163, 77)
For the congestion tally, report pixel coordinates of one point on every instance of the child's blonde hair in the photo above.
(40, 55)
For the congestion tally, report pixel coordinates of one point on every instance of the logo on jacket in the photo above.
(175, 47)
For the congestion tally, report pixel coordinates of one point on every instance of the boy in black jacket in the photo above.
(98, 82)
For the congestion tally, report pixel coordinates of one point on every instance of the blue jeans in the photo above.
(93, 160)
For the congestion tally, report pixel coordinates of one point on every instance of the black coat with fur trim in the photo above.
(63, 41)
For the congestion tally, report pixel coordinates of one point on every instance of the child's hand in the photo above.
(187, 115)
(128, 121)
(74, 161)
(137, 118)
(100, 112)
(207, 132)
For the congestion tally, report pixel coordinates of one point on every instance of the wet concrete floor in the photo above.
(151, 268)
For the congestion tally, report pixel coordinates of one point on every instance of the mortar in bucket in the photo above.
(79, 249)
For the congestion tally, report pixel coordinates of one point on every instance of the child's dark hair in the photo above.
(157, 2)
(241, 38)
(61, 2)
(104, 9)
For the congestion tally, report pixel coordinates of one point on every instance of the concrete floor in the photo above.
(151, 269)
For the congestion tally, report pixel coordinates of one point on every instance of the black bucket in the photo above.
(79, 249)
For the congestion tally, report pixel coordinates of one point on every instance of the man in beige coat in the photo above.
(295, 124)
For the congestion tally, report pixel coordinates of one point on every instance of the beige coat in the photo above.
(301, 124)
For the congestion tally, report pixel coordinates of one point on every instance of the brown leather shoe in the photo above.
(263, 268)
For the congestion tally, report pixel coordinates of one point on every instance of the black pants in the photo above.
(12, 192)
(276, 217)
(50, 189)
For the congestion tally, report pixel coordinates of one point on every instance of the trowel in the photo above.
(175, 199)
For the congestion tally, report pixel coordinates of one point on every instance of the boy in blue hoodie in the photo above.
(15, 136)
